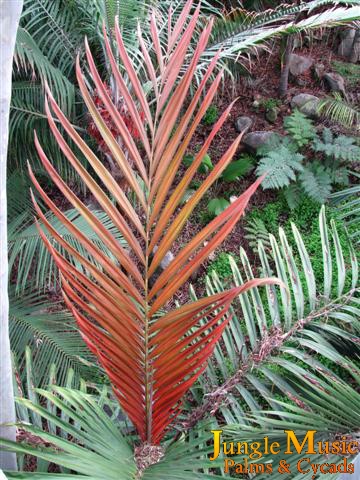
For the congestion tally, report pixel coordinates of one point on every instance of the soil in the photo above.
(262, 83)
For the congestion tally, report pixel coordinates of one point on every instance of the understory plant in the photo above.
(293, 169)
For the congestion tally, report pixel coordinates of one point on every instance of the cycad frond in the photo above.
(51, 333)
(348, 203)
(340, 111)
(326, 406)
(273, 341)
(32, 259)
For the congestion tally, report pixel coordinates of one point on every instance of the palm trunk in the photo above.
(284, 78)
(10, 11)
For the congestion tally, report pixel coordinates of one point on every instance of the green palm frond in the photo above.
(28, 254)
(340, 111)
(58, 28)
(31, 59)
(51, 333)
(98, 450)
(26, 115)
(247, 30)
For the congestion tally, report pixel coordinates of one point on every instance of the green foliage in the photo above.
(205, 166)
(211, 115)
(51, 332)
(347, 202)
(262, 222)
(341, 148)
(296, 174)
(256, 231)
(270, 103)
(280, 167)
(316, 181)
(238, 169)
(221, 265)
(350, 71)
(217, 205)
(340, 111)
(300, 127)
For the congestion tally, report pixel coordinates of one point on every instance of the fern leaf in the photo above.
(316, 181)
(300, 127)
(280, 167)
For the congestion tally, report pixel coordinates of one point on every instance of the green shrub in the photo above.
(221, 265)
(211, 115)
(238, 169)
(205, 166)
(217, 205)
(270, 103)
(350, 71)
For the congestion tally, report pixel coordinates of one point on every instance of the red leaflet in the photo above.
(152, 357)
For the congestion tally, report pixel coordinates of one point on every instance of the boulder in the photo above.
(306, 103)
(335, 82)
(355, 53)
(243, 123)
(253, 140)
(350, 45)
(299, 64)
(346, 43)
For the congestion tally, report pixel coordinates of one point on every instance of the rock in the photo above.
(319, 70)
(345, 46)
(243, 123)
(254, 140)
(301, 82)
(306, 103)
(347, 42)
(299, 64)
(272, 114)
(335, 82)
(350, 45)
(355, 53)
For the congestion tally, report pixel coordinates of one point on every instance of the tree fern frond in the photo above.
(316, 181)
(280, 167)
